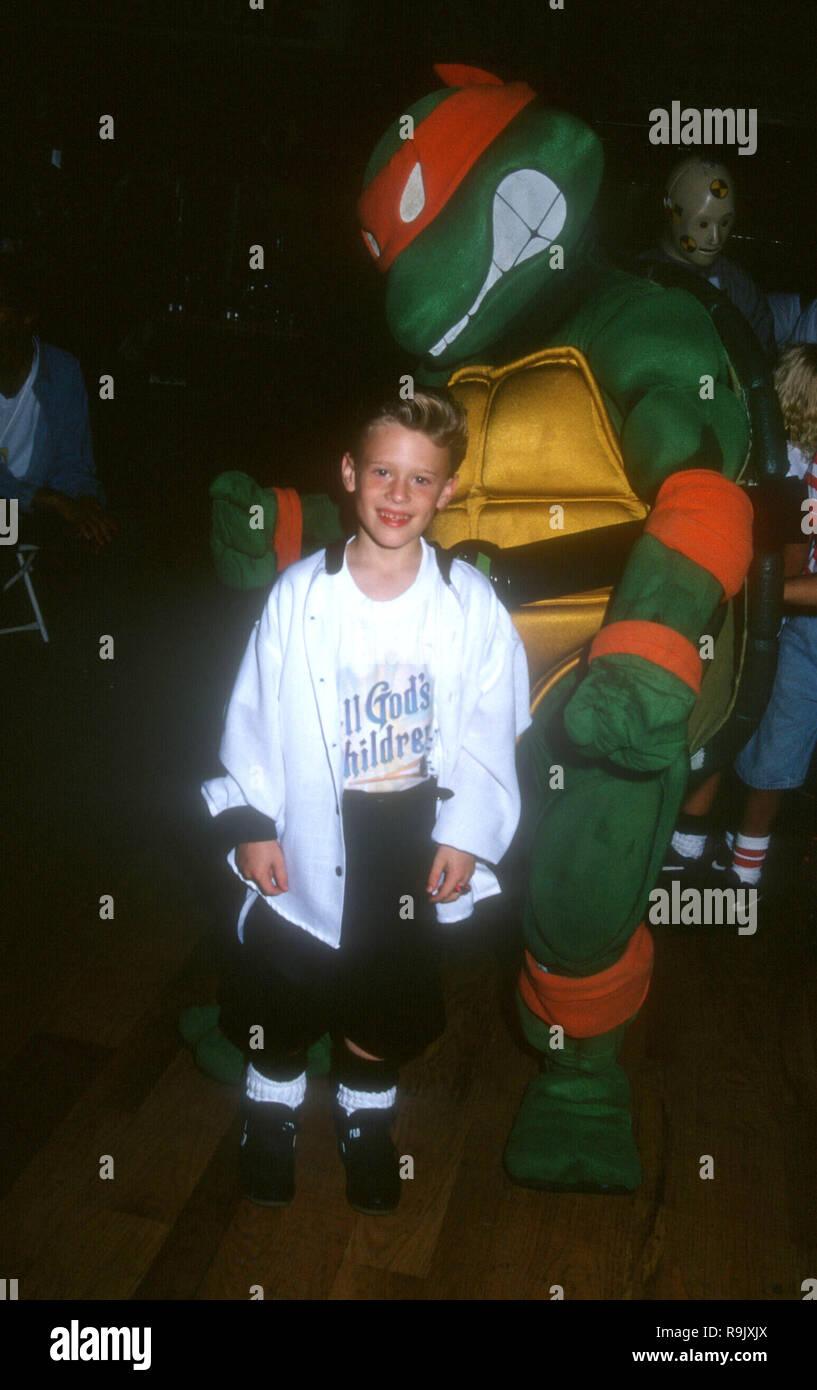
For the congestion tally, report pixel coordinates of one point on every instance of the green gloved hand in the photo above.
(631, 711)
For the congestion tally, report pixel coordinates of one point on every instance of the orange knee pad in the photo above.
(587, 1005)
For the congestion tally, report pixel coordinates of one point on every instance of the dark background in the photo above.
(236, 126)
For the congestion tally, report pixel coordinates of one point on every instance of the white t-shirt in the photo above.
(385, 685)
(18, 422)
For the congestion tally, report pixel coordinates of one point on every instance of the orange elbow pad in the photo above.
(706, 517)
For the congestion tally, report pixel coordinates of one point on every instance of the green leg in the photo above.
(598, 841)
(573, 1131)
(197, 1020)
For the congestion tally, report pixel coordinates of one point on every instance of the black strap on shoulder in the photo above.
(444, 559)
(335, 550)
(334, 556)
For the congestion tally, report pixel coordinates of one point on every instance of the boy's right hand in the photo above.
(262, 862)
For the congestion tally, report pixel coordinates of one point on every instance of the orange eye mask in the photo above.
(417, 182)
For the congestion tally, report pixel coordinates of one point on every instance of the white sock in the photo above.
(289, 1093)
(350, 1101)
(748, 856)
(690, 846)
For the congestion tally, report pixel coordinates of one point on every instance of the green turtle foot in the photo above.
(213, 1054)
(216, 1056)
(573, 1134)
(197, 1020)
(319, 1057)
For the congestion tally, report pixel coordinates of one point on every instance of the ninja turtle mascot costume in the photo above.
(478, 210)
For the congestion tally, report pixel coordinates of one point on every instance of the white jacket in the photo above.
(282, 746)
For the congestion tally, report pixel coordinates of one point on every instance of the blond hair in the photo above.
(795, 380)
(435, 414)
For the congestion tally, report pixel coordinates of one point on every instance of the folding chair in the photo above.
(25, 556)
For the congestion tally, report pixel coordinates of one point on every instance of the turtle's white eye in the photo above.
(413, 198)
(375, 249)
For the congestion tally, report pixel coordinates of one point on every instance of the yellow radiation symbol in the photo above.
(688, 243)
(719, 188)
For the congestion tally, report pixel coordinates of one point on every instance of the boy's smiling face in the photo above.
(400, 479)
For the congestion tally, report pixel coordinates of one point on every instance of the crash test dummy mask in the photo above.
(700, 207)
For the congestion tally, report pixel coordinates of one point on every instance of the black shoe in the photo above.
(370, 1158)
(267, 1157)
(690, 873)
(725, 877)
(722, 858)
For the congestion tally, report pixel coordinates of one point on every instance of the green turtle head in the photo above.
(473, 201)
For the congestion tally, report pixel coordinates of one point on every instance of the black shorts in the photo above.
(381, 988)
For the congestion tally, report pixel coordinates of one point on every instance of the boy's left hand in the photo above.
(457, 866)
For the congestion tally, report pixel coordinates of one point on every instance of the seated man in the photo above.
(46, 462)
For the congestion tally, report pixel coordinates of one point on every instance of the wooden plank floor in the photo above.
(101, 780)
(708, 1078)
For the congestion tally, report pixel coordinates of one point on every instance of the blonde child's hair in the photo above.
(434, 413)
(795, 380)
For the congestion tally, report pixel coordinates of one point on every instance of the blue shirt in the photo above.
(61, 454)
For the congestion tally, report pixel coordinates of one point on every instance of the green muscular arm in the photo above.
(628, 708)
(659, 361)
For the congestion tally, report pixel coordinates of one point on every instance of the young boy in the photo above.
(369, 748)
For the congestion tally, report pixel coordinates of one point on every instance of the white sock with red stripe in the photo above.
(748, 856)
